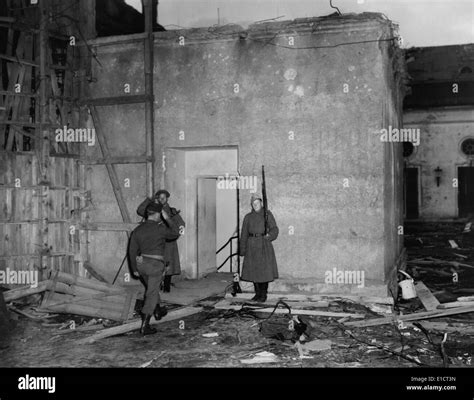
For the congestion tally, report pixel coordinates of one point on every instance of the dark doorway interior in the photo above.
(466, 191)
(411, 193)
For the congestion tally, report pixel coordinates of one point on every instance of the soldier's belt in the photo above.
(155, 257)
(256, 234)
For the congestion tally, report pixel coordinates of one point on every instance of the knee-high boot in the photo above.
(167, 284)
(257, 291)
(146, 329)
(263, 292)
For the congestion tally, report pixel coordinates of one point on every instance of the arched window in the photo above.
(408, 149)
(467, 147)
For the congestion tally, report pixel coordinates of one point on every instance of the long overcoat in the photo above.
(259, 256)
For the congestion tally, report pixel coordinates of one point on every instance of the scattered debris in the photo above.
(453, 244)
(261, 358)
(448, 327)
(288, 297)
(70, 294)
(429, 301)
(466, 298)
(210, 335)
(227, 305)
(301, 351)
(18, 293)
(317, 345)
(411, 317)
(148, 363)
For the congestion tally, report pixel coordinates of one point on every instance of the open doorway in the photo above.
(217, 226)
(411, 192)
(210, 212)
(466, 191)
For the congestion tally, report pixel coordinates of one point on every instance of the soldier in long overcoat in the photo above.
(259, 266)
(172, 264)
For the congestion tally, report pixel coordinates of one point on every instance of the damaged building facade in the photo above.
(308, 99)
(190, 111)
(439, 171)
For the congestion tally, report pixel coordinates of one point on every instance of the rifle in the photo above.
(265, 204)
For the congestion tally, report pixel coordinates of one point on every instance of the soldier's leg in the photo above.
(257, 291)
(263, 292)
(149, 273)
(159, 311)
(167, 284)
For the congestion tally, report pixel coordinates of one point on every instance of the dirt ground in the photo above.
(35, 345)
(44, 344)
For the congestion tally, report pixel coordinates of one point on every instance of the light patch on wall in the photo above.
(290, 74)
(299, 91)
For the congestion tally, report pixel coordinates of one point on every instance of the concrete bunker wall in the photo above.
(286, 107)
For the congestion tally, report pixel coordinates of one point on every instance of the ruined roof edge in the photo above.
(301, 26)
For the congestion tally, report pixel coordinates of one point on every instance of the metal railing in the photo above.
(231, 254)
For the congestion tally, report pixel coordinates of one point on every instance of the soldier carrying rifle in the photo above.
(259, 229)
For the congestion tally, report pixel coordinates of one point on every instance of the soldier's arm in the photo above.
(133, 250)
(272, 227)
(142, 207)
(179, 221)
(172, 231)
(244, 235)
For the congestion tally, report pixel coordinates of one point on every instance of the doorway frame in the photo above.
(205, 176)
(420, 188)
(166, 174)
(466, 163)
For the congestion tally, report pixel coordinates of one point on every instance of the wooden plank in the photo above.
(115, 160)
(110, 167)
(43, 146)
(108, 226)
(88, 266)
(225, 305)
(458, 264)
(149, 63)
(116, 100)
(410, 317)
(71, 279)
(18, 60)
(465, 298)
(9, 20)
(15, 294)
(317, 297)
(426, 297)
(131, 326)
(445, 327)
(59, 301)
(22, 94)
(272, 302)
(95, 311)
(455, 304)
